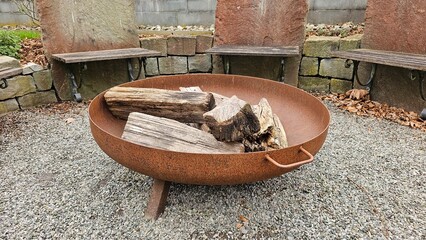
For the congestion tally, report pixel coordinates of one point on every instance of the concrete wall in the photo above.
(9, 14)
(201, 12)
(336, 11)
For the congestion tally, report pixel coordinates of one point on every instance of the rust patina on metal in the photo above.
(304, 117)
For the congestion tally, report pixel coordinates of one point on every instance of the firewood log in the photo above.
(217, 97)
(187, 107)
(232, 120)
(272, 134)
(162, 133)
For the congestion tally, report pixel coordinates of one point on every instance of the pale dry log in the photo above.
(217, 97)
(171, 135)
(271, 134)
(278, 137)
(232, 120)
(187, 107)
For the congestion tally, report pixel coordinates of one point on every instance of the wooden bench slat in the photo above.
(255, 51)
(10, 72)
(396, 59)
(102, 55)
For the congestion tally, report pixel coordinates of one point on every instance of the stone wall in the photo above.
(33, 87)
(186, 54)
(201, 12)
(320, 72)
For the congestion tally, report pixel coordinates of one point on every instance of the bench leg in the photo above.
(157, 201)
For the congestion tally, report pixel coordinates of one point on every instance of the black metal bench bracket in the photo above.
(369, 82)
(420, 76)
(141, 64)
(4, 83)
(226, 64)
(74, 86)
(282, 70)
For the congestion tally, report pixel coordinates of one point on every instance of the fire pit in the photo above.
(304, 117)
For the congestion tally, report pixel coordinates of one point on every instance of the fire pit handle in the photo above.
(292, 165)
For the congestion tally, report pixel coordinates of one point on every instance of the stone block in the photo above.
(309, 66)
(156, 44)
(200, 63)
(315, 84)
(152, 67)
(8, 106)
(11, 62)
(203, 43)
(173, 65)
(30, 67)
(43, 80)
(320, 46)
(38, 98)
(340, 86)
(18, 86)
(335, 68)
(350, 43)
(181, 46)
(217, 65)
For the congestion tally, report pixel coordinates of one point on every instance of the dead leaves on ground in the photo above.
(32, 51)
(357, 101)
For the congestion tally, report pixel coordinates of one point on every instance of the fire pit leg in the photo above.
(157, 200)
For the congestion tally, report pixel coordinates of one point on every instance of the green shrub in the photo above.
(10, 44)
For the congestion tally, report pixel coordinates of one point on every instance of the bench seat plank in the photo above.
(255, 51)
(103, 55)
(10, 72)
(396, 59)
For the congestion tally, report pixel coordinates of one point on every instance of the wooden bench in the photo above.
(7, 73)
(415, 62)
(254, 51)
(104, 55)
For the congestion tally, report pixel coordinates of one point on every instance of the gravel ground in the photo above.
(366, 182)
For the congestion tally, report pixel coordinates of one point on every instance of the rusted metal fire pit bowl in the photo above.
(304, 117)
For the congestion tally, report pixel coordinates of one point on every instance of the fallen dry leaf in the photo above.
(357, 94)
(366, 107)
(243, 219)
(32, 51)
(239, 225)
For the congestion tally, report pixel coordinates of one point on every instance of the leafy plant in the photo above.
(10, 44)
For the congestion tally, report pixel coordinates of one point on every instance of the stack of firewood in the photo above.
(191, 120)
